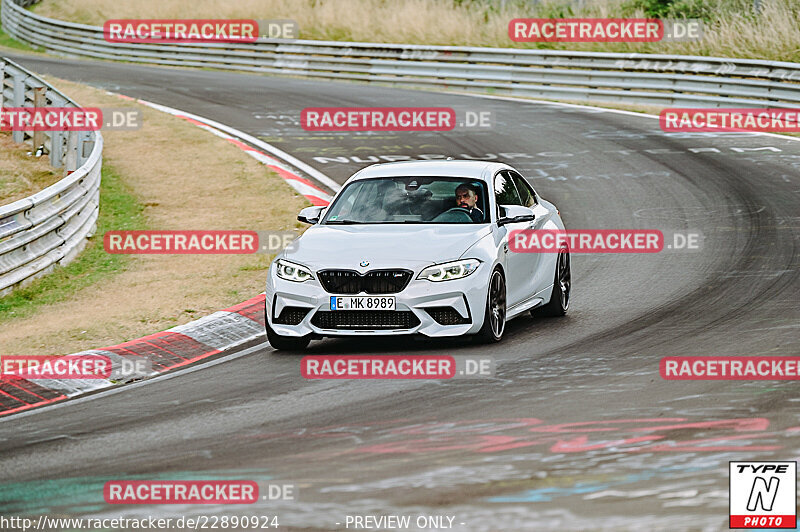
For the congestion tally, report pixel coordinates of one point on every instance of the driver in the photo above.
(466, 198)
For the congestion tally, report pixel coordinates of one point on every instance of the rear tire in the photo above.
(562, 288)
(494, 317)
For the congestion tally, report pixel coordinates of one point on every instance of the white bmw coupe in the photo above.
(417, 248)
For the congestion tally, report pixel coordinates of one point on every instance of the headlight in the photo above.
(450, 270)
(292, 272)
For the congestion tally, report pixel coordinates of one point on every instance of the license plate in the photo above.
(362, 303)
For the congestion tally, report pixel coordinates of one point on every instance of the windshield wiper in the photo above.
(343, 222)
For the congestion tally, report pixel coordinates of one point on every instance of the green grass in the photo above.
(119, 210)
(6, 41)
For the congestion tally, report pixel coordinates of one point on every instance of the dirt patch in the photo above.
(186, 178)
(22, 174)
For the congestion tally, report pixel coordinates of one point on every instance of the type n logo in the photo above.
(763, 494)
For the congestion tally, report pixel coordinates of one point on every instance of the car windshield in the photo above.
(428, 200)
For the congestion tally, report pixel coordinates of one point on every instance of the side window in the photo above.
(505, 193)
(525, 191)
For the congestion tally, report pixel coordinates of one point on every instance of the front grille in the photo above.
(365, 319)
(446, 316)
(292, 315)
(374, 282)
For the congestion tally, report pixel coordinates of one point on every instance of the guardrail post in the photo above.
(58, 143)
(57, 149)
(2, 84)
(85, 146)
(71, 156)
(39, 100)
(18, 100)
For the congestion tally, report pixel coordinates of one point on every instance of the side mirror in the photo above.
(311, 215)
(511, 214)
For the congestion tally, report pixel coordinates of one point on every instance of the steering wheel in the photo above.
(455, 214)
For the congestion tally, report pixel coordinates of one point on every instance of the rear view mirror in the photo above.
(310, 215)
(510, 214)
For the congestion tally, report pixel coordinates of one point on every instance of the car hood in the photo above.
(383, 246)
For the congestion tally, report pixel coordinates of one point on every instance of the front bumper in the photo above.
(467, 296)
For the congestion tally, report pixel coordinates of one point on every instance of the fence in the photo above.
(51, 226)
(652, 79)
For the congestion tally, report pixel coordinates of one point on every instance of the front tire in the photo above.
(494, 318)
(285, 343)
(562, 288)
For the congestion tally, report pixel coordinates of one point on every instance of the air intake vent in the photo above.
(446, 316)
(292, 315)
(365, 319)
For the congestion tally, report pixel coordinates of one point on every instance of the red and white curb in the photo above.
(185, 344)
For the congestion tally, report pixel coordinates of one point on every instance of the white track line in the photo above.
(311, 171)
(604, 109)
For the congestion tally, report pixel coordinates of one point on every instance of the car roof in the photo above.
(441, 168)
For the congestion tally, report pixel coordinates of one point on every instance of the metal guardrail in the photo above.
(51, 226)
(652, 79)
